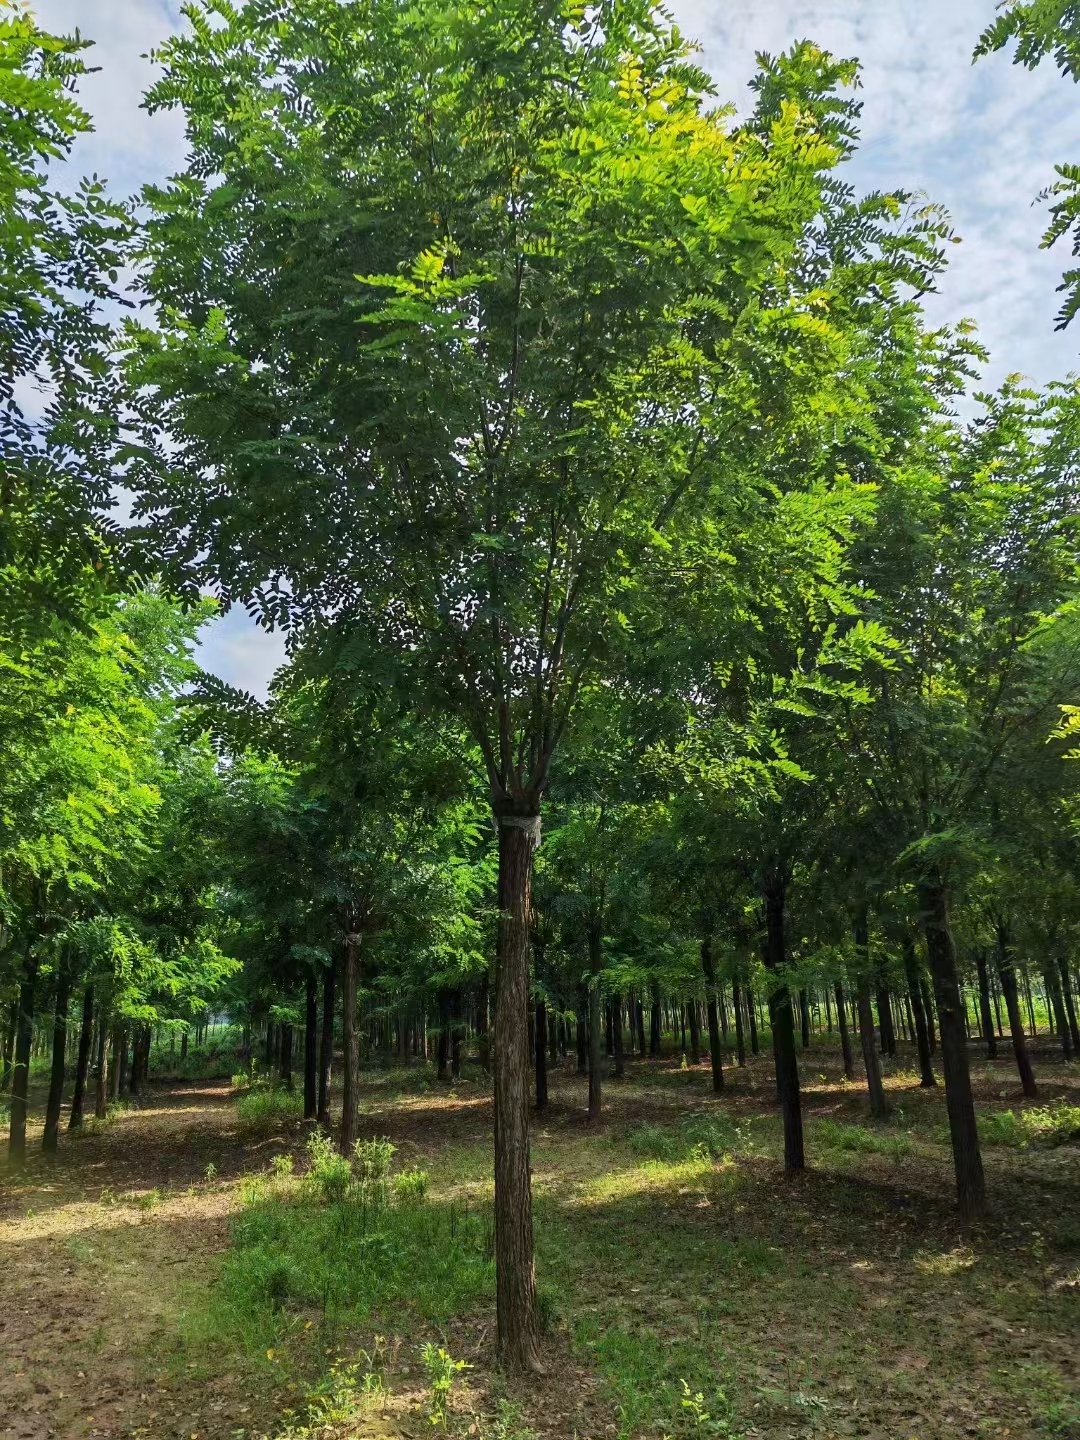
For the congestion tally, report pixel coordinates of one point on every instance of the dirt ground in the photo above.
(849, 1303)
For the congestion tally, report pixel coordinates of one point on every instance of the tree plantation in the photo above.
(623, 979)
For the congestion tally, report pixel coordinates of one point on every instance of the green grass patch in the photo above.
(1055, 1124)
(861, 1139)
(695, 1137)
(265, 1107)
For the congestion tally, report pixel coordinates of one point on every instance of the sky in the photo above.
(982, 140)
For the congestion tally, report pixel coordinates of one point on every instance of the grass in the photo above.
(264, 1107)
(1048, 1125)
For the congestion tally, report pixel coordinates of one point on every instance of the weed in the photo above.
(281, 1167)
(339, 1399)
(410, 1186)
(1055, 1124)
(210, 1173)
(833, 1135)
(442, 1370)
(329, 1173)
(264, 1106)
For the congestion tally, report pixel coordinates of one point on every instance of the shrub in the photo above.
(264, 1106)
(329, 1174)
(410, 1186)
(1055, 1124)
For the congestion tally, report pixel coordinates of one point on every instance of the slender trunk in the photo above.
(515, 1284)
(594, 1027)
(609, 1029)
(286, 1056)
(737, 1005)
(715, 1053)
(751, 1015)
(1057, 1006)
(845, 1038)
(639, 1020)
(804, 1019)
(783, 1023)
(101, 1088)
(540, 1055)
(617, 1018)
(1007, 975)
(885, 1020)
(483, 1034)
(119, 1056)
(654, 1021)
(985, 1013)
(444, 1033)
(1070, 1005)
(350, 1038)
(311, 1049)
(879, 1106)
(82, 1064)
(9, 1044)
(922, 1038)
(456, 1028)
(553, 1038)
(582, 1029)
(326, 1046)
(20, 1082)
(967, 1158)
(51, 1137)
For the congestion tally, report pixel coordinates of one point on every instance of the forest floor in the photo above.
(153, 1275)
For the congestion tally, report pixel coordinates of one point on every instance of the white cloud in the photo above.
(982, 140)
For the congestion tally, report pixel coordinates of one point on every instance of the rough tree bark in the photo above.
(845, 1037)
(986, 1015)
(101, 1087)
(783, 1022)
(51, 1138)
(350, 1036)
(82, 1064)
(517, 1324)
(326, 1046)
(740, 1038)
(967, 1157)
(879, 1106)
(715, 1052)
(928, 1079)
(1007, 975)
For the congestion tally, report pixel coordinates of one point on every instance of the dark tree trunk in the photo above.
(183, 1045)
(9, 1045)
(51, 1137)
(609, 1029)
(737, 1005)
(783, 1023)
(1057, 1005)
(927, 992)
(350, 1044)
(751, 1015)
(517, 1322)
(804, 1019)
(1070, 1004)
(985, 1013)
(444, 1033)
(879, 1106)
(553, 1038)
(885, 1019)
(20, 1082)
(1007, 976)
(311, 1049)
(101, 1086)
(326, 1046)
(582, 1028)
(654, 1021)
(595, 1023)
(715, 1053)
(286, 1056)
(695, 1032)
(456, 1031)
(540, 1055)
(617, 1018)
(639, 1018)
(927, 1079)
(967, 1158)
(845, 1038)
(483, 1032)
(82, 1064)
(269, 1056)
(119, 1060)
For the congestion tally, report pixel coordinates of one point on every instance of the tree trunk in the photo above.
(456, 1028)
(311, 1049)
(326, 1046)
(783, 1022)
(595, 1022)
(540, 1055)
(617, 1019)
(845, 1037)
(879, 1106)
(751, 1015)
(715, 1053)
(1057, 1006)
(20, 1082)
(1070, 1004)
(350, 1038)
(804, 1019)
(51, 1137)
(654, 1021)
(639, 1020)
(885, 1020)
(101, 1087)
(286, 1056)
(582, 1029)
(82, 1064)
(444, 1033)
(740, 1040)
(1007, 976)
(918, 1014)
(985, 1013)
(9, 1045)
(515, 1284)
(967, 1158)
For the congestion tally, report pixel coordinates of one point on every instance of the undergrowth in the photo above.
(1055, 1124)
